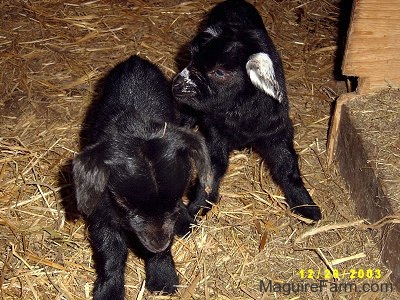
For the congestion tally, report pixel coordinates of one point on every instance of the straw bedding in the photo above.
(53, 53)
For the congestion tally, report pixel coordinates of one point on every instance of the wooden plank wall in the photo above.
(373, 45)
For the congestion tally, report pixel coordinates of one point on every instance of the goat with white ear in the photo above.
(234, 90)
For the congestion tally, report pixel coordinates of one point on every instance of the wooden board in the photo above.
(367, 158)
(373, 45)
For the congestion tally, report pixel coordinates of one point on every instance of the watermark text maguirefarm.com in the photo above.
(321, 285)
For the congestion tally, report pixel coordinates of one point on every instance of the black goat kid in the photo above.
(234, 90)
(131, 175)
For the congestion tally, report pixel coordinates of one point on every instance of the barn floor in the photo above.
(53, 53)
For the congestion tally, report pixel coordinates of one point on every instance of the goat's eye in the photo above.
(219, 73)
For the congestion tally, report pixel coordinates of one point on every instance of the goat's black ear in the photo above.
(90, 178)
(260, 69)
(198, 152)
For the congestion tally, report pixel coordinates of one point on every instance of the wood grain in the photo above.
(373, 44)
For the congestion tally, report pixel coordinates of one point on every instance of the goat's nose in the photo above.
(160, 244)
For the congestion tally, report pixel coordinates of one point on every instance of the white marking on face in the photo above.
(260, 69)
(185, 74)
(212, 30)
(186, 77)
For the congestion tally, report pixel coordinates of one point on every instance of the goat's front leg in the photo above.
(184, 221)
(281, 158)
(160, 272)
(109, 254)
(219, 157)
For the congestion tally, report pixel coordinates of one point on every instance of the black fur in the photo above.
(234, 110)
(131, 175)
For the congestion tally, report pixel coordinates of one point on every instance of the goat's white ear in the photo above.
(260, 69)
